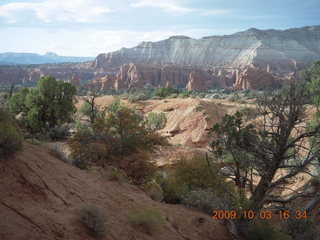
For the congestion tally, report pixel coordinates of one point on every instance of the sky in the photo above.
(90, 27)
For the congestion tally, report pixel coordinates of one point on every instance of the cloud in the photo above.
(83, 42)
(174, 7)
(56, 10)
(166, 6)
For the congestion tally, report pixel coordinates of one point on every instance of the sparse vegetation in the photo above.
(11, 139)
(206, 200)
(153, 190)
(57, 152)
(115, 174)
(156, 120)
(93, 218)
(149, 219)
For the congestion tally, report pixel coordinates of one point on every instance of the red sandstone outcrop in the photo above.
(140, 75)
(255, 78)
(196, 82)
(75, 81)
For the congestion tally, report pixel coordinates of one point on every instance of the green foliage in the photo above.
(93, 218)
(194, 173)
(156, 120)
(149, 219)
(173, 192)
(47, 106)
(153, 190)
(165, 92)
(120, 139)
(313, 77)
(86, 110)
(11, 139)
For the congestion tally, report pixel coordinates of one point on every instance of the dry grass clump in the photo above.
(149, 219)
(153, 190)
(115, 174)
(93, 218)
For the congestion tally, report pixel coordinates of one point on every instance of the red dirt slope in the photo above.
(38, 195)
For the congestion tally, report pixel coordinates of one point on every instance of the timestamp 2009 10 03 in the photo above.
(264, 214)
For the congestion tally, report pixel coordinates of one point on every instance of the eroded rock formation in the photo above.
(196, 82)
(255, 78)
(275, 50)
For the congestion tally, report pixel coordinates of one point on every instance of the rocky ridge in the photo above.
(217, 61)
(276, 50)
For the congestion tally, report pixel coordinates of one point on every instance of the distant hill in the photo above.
(11, 58)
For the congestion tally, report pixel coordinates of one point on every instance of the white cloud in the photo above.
(166, 6)
(175, 7)
(56, 10)
(83, 42)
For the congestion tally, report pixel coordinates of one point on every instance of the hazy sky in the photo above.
(89, 27)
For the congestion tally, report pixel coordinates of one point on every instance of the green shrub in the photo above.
(11, 139)
(173, 192)
(149, 219)
(93, 218)
(153, 190)
(165, 92)
(156, 120)
(195, 173)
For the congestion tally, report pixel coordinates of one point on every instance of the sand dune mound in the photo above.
(38, 195)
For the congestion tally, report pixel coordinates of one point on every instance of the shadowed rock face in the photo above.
(275, 50)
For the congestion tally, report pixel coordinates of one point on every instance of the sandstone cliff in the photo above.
(275, 50)
(255, 78)
(140, 75)
(192, 78)
(196, 82)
